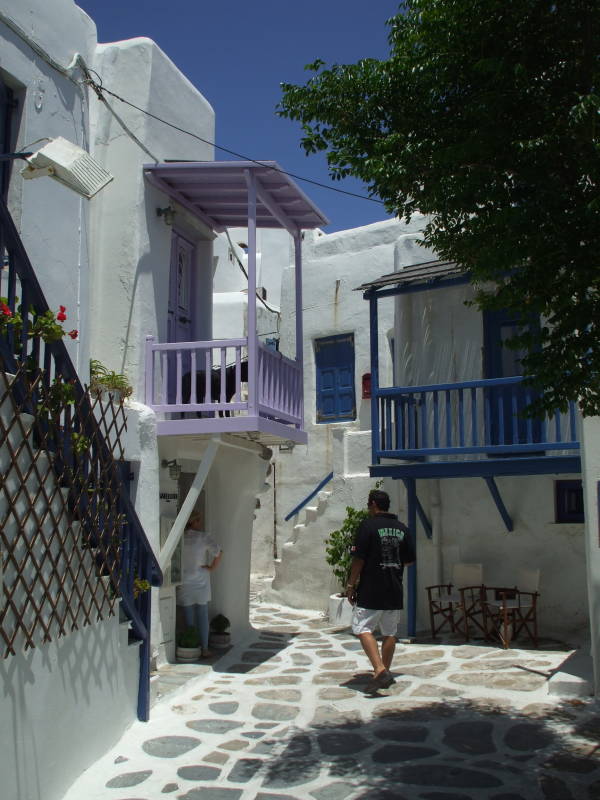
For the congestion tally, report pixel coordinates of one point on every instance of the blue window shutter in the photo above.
(334, 359)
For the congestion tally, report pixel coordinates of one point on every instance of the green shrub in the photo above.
(339, 543)
(189, 638)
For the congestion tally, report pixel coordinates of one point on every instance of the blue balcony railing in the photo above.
(481, 417)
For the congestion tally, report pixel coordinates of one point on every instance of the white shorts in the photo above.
(366, 620)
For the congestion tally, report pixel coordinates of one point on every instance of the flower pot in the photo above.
(220, 640)
(339, 611)
(187, 655)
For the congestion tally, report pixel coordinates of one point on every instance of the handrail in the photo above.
(309, 497)
(137, 557)
(482, 417)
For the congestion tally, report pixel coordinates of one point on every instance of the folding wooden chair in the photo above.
(510, 611)
(458, 604)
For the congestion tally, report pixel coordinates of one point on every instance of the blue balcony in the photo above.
(469, 429)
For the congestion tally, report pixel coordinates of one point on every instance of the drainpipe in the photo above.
(436, 525)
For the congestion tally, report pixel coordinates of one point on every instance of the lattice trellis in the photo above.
(61, 526)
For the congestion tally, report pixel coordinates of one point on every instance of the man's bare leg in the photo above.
(369, 645)
(388, 647)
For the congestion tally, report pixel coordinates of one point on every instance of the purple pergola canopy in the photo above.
(217, 193)
(236, 194)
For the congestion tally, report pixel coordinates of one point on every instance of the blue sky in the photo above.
(238, 52)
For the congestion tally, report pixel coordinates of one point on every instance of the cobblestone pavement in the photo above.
(285, 717)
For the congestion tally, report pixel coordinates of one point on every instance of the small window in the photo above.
(569, 501)
(334, 360)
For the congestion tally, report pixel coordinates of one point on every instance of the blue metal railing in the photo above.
(309, 497)
(135, 563)
(470, 417)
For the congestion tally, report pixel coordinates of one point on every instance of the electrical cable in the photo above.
(99, 88)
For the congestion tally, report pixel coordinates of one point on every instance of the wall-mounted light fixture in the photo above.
(287, 447)
(174, 468)
(168, 214)
(68, 164)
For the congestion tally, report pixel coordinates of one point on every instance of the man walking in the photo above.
(381, 549)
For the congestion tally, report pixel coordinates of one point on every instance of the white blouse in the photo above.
(199, 551)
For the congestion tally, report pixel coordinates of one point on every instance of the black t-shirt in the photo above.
(385, 545)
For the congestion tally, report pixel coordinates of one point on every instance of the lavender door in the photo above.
(179, 323)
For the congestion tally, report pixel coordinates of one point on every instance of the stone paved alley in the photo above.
(284, 717)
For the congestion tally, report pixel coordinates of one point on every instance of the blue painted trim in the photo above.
(491, 484)
(374, 346)
(309, 497)
(392, 391)
(491, 449)
(411, 587)
(412, 288)
(543, 465)
(421, 513)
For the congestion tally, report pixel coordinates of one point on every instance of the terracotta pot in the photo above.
(220, 640)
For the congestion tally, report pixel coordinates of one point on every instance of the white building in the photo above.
(134, 267)
(509, 499)
(489, 486)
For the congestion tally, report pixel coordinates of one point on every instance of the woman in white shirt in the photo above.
(201, 554)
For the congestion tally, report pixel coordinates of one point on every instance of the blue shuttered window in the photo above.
(334, 359)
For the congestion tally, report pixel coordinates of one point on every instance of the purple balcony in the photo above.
(236, 386)
(268, 408)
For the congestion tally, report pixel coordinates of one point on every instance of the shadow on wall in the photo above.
(75, 695)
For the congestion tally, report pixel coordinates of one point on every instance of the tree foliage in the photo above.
(485, 117)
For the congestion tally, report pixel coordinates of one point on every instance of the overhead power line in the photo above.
(99, 89)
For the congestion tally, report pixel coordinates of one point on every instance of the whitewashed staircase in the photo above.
(310, 514)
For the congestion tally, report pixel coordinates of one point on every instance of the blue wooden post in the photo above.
(145, 604)
(374, 332)
(411, 587)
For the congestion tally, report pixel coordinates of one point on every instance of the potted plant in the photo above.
(338, 549)
(188, 646)
(107, 383)
(219, 632)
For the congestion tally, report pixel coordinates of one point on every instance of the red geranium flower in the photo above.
(61, 316)
(73, 334)
(5, 310)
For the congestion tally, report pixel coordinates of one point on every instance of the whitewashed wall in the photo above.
(107, 261)
(63, 704)
(52, 220)
(132, 245)
(590, 435)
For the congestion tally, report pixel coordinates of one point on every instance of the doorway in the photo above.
(507, 423)
(180, 309)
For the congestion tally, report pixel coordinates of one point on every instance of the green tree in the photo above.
(485, 118)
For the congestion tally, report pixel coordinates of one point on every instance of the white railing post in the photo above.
(149, 378)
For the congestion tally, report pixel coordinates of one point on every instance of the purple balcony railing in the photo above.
(177, 385)
(473, 417)
(280, 391)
